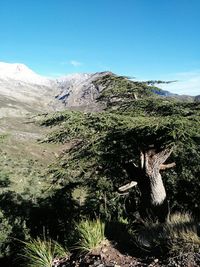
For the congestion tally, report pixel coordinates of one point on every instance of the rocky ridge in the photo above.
(22, 91)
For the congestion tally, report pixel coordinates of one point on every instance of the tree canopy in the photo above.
(134, 119)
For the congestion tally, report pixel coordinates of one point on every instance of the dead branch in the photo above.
(162, 156)
(167, 166)
(127, 186)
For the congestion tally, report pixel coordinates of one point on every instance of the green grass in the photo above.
(43, 253)
(91, 235)
(3, 137)
(80, 194)
(22, 158)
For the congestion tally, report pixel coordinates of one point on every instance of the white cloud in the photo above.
(188, 83)
(75, 63)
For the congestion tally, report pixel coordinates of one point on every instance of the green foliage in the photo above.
(182, 183)
(91, 235)
(159, 107)
(3, 137)
(94, 126)
(100, 142)
(134, 120)
(4, 179)
(43, 253)
(5, 232)
(11, 228)
(118, 90)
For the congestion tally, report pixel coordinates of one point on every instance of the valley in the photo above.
(23, 159)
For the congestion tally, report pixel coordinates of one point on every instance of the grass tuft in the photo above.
(91, 235)
(43, 253)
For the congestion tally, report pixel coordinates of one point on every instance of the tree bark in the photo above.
(153, 204)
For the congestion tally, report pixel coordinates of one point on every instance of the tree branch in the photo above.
(141, 159)
(163, 155)
(127, 186)
(167, 166)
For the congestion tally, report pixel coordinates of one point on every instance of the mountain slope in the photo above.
(22, 91)
(79, 91)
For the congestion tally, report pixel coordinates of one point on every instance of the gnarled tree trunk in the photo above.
(153, 204)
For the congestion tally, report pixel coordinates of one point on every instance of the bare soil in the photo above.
(107, 255)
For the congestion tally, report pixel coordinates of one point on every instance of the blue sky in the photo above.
(147, 39)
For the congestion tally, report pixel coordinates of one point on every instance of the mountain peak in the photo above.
(21, 73)
(11, 68)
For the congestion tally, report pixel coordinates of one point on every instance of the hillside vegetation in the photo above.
(75, 169)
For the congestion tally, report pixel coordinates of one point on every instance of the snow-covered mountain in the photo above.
(20, 72)
(22, 91)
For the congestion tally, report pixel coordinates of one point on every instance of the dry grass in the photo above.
(177, 236)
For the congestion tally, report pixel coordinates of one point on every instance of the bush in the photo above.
(5, 231)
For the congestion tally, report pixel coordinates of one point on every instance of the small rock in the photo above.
(104, 250)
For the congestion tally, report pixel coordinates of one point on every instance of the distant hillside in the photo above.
(22, 91)
(197, 98)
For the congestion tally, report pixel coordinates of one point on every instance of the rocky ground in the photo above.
(109, 256)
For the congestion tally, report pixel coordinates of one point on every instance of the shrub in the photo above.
(5, 231)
